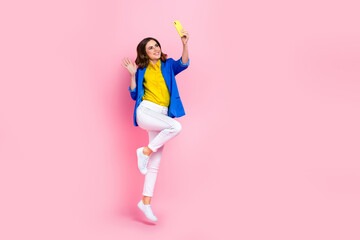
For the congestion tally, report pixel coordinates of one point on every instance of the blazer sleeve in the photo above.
(133, 93)
(179, 66)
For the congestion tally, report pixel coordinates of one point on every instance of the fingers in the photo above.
(184, 32)
(126, 62)
(185, 36)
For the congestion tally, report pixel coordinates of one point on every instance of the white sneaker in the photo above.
(146, 209)
(142, 160)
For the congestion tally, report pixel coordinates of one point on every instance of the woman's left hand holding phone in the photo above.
(185, 37)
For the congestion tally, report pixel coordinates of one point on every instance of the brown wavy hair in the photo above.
(142, 59)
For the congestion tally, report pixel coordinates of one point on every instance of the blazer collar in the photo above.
(163, 70)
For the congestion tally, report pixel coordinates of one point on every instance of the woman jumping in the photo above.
(153, 87)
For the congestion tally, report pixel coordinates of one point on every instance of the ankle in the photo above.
(147, 151)
(146, 200)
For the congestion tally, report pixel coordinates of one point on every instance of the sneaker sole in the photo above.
(145, 214)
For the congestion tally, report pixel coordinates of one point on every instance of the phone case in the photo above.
(178, 26)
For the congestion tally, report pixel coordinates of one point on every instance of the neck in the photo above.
(154, 61)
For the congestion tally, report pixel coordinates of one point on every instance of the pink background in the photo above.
(270, 141)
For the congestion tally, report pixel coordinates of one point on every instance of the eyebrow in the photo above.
(154, 45)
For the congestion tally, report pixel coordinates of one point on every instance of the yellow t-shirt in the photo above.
(154, 85)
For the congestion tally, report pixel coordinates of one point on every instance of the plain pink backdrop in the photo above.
(270, 141)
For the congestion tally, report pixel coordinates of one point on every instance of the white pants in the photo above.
(161, 128)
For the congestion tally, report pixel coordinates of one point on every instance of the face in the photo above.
(153, 50)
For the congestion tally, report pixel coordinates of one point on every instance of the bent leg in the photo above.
(154, 121)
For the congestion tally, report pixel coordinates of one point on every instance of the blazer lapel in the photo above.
(140, 82)
(141, 76)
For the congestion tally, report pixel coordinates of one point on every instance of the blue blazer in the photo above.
(169, 70)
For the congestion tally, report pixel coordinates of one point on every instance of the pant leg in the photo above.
(153, 167)
(151, 120)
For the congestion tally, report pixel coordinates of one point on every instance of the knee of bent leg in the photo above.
(177, 127)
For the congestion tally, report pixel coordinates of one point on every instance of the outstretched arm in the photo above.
(184, 39)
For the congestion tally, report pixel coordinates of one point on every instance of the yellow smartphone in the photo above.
(178, 27)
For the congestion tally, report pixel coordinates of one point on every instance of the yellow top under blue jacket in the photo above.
(155, 86)
(169, 69)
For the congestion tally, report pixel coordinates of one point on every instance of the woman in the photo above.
(154, 89)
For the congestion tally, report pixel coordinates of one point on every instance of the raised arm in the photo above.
(183, 62)
(184, 39)
(131, 67)
(132, 82)
(132, 88)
